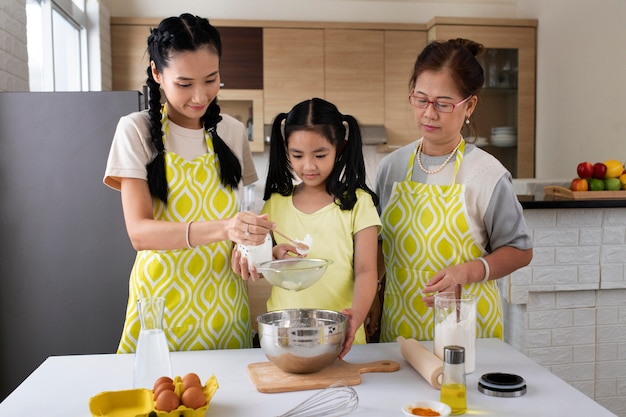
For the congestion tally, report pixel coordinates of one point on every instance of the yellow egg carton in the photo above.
(140, 402)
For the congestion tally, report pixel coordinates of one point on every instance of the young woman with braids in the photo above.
(179, 167)
(330, 201)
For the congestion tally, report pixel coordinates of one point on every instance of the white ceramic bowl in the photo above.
(503, 141)
(443, 409)
(504, 129)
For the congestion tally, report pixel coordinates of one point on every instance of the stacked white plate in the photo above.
(504, 136)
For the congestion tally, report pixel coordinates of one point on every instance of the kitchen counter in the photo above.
(541, 201)
(62, 385)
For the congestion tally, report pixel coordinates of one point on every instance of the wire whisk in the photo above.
(335, 400)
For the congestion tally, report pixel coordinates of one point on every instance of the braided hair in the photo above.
(175, 34)
(342, 131)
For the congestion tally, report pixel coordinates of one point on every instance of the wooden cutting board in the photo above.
(563, 192)
(268, 378)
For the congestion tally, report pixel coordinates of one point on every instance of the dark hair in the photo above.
(176, 34)
(322, 117)
(458, 57)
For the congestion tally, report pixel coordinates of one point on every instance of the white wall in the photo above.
(581, 83)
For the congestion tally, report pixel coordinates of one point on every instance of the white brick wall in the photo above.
(567, 309)
(13, 52)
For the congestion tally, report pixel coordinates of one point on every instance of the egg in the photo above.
(164, 386)
(162, 379)
(193, 397)
(167, 401)
(191, 380)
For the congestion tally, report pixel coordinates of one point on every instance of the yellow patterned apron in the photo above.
(425, 229)
(206, 304)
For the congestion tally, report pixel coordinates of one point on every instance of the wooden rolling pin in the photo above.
(422, 360)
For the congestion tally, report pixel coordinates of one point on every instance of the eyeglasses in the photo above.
(441, 106)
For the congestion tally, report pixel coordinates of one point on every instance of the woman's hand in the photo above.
(445, 281)
(249, 228)
(239, 265)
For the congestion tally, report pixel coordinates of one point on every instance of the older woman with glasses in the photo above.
(449, 212)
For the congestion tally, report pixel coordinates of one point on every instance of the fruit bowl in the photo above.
(302, 341)
(293, 274)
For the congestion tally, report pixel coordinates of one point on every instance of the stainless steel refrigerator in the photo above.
(65, 257)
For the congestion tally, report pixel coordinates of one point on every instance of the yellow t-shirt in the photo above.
(332, 230)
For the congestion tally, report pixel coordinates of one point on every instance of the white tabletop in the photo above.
(62, 385)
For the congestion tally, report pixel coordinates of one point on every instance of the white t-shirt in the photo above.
(132, 149)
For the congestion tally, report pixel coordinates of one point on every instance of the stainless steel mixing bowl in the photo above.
(302, 341)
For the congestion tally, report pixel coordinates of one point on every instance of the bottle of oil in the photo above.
(453, 388)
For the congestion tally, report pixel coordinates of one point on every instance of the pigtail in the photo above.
(157, 181)
(230, 167)
(280, 174)
(349, 172)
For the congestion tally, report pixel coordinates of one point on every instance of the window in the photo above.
(57, 46)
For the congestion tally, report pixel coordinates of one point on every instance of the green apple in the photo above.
(596, 184)
(612, 184)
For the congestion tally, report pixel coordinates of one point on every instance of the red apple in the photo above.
(585, 169)
(579, 184)
(599, 170)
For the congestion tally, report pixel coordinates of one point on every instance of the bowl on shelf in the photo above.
(302, 341)
(504, 140)
(293, 274)
(510, 130)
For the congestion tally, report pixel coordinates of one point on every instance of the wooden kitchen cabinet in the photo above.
(241, 66)
(509, 98)
(129, 55)
(343, 66)
(354, 69)
(401, 49)
(293, 68)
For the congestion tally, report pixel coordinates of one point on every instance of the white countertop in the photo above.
(62, 385)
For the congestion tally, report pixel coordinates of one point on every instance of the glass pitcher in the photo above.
(455, 324)
(152, 357)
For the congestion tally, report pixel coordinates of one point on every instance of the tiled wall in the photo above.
(567, 309)
(13, 53)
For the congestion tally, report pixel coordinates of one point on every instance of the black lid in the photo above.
(499, 384)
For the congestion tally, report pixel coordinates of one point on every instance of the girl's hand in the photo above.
(285, 251)
(350, 332)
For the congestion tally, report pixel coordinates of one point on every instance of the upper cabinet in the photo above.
(241, 66)
(354, 69)
(293, 68)
(508, 96)
(129, 57)
(343, 66)
(401, 49)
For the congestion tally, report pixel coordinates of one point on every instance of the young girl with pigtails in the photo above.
(316, 185)
(179, 167)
